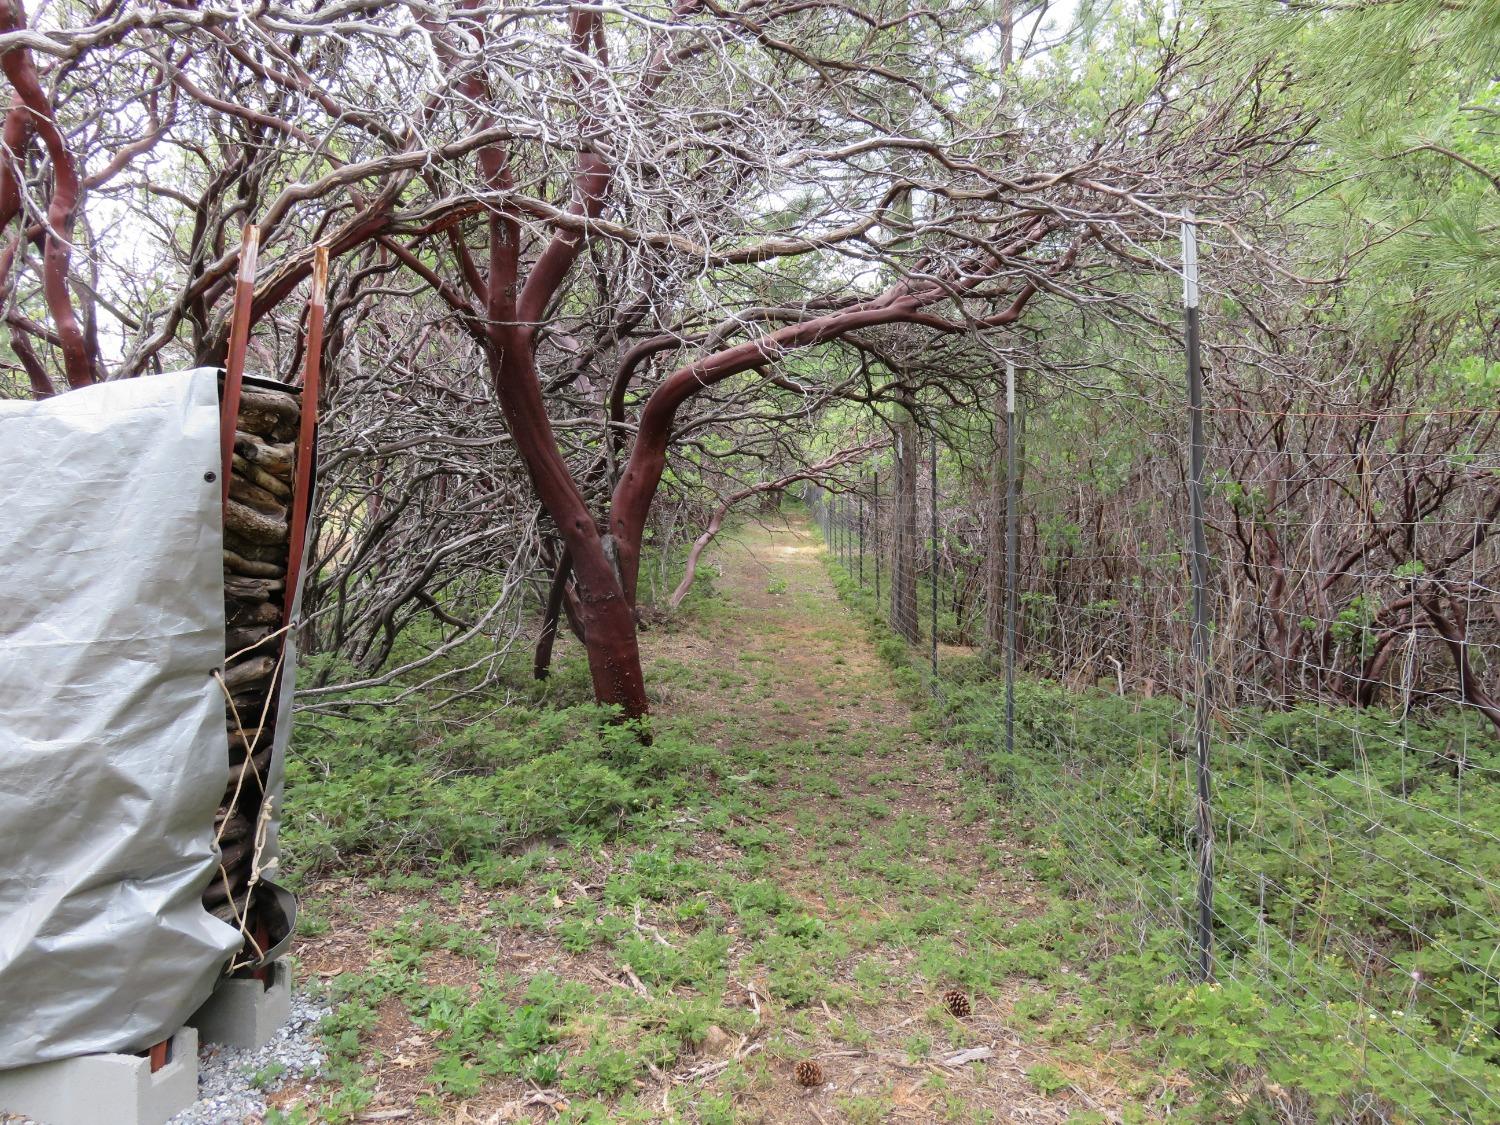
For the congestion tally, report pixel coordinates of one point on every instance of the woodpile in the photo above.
(257, 538)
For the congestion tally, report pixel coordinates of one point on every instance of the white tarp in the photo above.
(113, 754)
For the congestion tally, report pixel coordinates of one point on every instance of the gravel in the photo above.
(233, 1083)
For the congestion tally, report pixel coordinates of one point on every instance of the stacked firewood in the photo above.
(257, 536)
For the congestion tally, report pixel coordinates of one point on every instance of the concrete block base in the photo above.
(246, 1013)
(92, 1089)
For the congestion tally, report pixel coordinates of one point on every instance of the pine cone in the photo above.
(957, 1003)
(808, 1073)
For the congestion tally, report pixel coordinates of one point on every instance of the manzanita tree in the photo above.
(622, 225)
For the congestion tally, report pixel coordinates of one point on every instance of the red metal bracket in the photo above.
(239, 342)
(307, 435)
(160, 1054)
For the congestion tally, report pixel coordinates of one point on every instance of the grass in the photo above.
(1356, 914)
(401, 791)
(529, 900)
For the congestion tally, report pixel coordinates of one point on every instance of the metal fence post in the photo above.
(844, 526)
(934, 615)
(861, 539)
(1205, 933)
(843, 531)
(239, 342)
(1012, 526)
(875, 503)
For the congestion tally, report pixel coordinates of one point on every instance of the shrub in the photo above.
(1357, 924)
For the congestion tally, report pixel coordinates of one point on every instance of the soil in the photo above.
(782, 665)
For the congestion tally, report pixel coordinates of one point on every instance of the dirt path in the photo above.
(815, 908)
(876, 845)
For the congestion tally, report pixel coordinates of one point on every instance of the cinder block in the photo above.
(93, 1089)
(246, 1013)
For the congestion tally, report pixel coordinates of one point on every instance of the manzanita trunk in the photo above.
(604, 609)
(502, 302)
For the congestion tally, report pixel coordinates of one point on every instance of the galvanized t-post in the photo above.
(934, 559)
(1012, 525)
(875, 503)
(861, 539)
(1199, 556)
(843, 530)
(844, 523)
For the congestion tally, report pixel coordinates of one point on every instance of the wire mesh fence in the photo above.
(1350, 677)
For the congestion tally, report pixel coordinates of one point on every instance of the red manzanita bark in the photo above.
(499, 304)
(62, 208)
(512, 309)
(637, 486)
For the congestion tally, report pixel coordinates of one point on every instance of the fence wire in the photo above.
(1354, 592)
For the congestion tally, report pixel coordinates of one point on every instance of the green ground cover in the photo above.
(523, 914)
(1357, 934)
